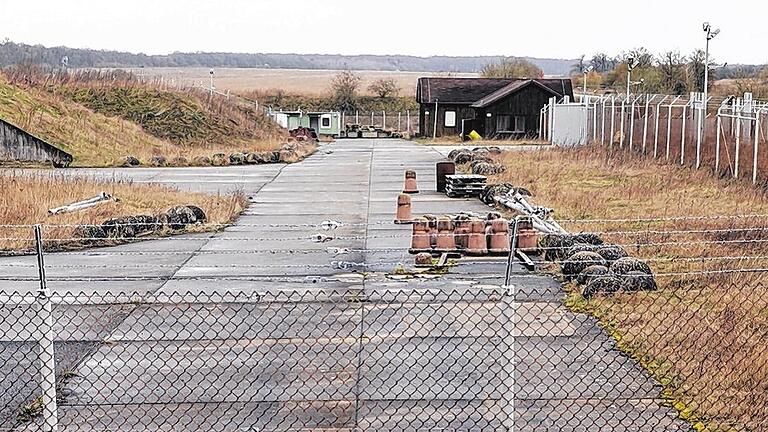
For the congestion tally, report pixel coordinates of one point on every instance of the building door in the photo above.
(314, 123)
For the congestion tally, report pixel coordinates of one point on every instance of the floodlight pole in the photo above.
(629, 80)
(708, 35)
(585, 86)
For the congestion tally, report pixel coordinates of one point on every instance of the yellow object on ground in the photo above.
(474, 136)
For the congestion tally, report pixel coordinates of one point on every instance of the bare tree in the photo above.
(512, 68)
(344, 90)
(384, 87)
(672, 70)
(601, 62)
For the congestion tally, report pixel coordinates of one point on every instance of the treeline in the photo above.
(14, 53)
(668, 73)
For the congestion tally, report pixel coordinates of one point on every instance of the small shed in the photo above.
(323, 122)
(493, 107)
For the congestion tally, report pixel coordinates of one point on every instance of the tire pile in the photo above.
(478, 159)
(124, 228)
(291, 151)
(596, 267)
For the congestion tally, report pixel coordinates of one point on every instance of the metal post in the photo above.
(669, 127)
(434, 130)
(656, 130)
(621, 126)
(512, 249)
(754, 151)
(629, 79)
(602, 124)
(594, 122)
(682, 138)
(408, 121)
(717, 142)
(384, 120)
(645, 122)
(399, 117)
(47, 359)
(738, 145)
(372, 123)
(698, 133)
(357, 117)
(613, 118)
(632, 124)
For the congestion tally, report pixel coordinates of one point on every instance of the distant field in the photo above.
(290, 80)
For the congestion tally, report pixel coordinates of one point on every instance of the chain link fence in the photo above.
(464, 350)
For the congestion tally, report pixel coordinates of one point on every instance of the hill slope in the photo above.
(100, 123)
(93, 139)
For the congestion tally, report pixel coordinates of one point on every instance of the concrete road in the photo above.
(322, 347)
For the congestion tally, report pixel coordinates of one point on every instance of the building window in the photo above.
(450, 119)
(519, 123)
(325, 122)
(503, 122)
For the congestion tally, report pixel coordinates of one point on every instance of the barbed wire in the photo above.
(316, 278)
(331, 224)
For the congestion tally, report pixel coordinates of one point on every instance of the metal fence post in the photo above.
(47, 359)
(399, 116)
(645, 122)
(613, 119)
(754, 152)
(632, 124)
(357, 117)
(384, 120)
(621, 124)
(699, 129)
(738, 145)
(669, 128)
(682, 138)
(510, 294)
(408, 121)
(717, 142)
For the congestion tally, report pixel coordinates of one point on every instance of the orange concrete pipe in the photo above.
(410, 183)
(420, 237)
(403, 215)
(476, 241)
(499, 236)
(445, 242)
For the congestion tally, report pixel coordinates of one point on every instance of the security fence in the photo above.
(460, 350)
(726, 138)
(406, 121)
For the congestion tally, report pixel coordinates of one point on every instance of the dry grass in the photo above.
(307, 82)
(27, 197)
(702, 335)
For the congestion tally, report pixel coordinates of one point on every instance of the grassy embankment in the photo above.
(702, 335)
(100, 120)
(26, 198)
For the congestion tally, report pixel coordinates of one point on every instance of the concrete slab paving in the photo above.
(337, 351)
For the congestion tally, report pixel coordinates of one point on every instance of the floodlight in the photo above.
(705, 26)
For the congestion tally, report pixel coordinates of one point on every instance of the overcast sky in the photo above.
(558, 29)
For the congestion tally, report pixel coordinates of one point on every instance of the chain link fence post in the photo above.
(47, 359)
(508, 331)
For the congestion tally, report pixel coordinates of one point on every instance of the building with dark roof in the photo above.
(492, 107)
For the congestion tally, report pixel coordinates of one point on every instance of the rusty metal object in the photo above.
(403, 215)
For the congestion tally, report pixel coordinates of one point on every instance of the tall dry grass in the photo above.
(27, 197)
(704, 336)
